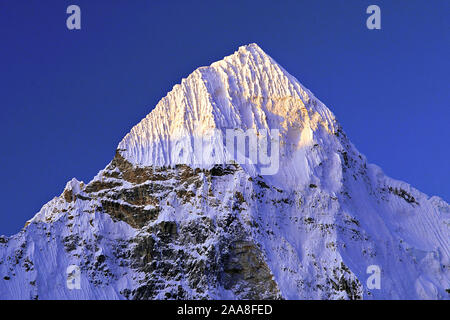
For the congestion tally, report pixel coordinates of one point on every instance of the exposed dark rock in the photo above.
(403, 194)
(246, 273)
(69, 196)
(97, 186)
(135, 216)
(221, 170)
(71, 242)
(262, 184)
(171, 253)
(132, 173)
(140, 195)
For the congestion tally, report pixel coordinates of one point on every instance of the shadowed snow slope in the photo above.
(175, 216)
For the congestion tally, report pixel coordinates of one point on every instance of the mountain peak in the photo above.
(249, 46)
(247, 90)
(313, 220)
(251, 49)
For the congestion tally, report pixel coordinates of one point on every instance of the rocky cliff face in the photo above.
(161, 223)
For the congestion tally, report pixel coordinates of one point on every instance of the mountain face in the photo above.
(240, 184)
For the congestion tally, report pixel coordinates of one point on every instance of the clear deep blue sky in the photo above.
(68, 97)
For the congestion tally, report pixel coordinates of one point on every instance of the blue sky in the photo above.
(68, 97)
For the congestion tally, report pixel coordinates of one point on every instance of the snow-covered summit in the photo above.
(246, 90)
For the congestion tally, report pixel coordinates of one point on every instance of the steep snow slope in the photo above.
(247, 90)
(175, 215)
